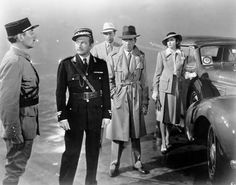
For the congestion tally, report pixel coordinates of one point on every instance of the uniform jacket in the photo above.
(100, 50)
(19, 86)
(127, 81)
(80, 113)
(167, 65)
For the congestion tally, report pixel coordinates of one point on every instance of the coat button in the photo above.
(73, 78)
(86, 87)
(87, 101)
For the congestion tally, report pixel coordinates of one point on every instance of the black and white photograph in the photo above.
(129, 92)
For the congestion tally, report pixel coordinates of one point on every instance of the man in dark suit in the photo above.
(87, 108)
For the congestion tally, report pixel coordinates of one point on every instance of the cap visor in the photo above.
(30, 28)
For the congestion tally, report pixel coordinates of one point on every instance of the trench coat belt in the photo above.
(128, 83)
(87, 95)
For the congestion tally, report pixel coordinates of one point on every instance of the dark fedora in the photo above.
(171, 34)
(20, 26)
(129, 33)
(82, 32)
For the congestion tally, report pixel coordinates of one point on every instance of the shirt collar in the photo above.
(87, 58)
(108, 44)
(126, 52)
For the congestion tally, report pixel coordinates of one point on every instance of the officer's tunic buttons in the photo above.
(87, 100)
(86, 87)
(73, 78)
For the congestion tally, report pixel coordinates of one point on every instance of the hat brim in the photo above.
(124, 37)
(108, 30)
(177, 36)
(30, 28)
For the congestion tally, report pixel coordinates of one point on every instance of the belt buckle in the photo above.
(86, 97)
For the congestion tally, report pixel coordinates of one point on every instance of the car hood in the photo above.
(223, 73)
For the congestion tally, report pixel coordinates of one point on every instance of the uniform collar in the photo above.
(20, 52)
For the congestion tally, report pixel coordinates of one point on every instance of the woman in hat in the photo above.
(166, 85)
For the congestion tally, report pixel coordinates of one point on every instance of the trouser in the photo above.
(17, 157)
(117, 149)
(70, 157)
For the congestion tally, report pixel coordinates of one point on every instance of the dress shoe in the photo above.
(139, 167)
(114, 170)
(163, 149)
(141, 170)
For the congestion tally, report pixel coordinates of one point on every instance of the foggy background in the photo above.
(153, 19)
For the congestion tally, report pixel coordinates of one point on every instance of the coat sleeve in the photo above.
(144, 82)
(157, 74)
(10, 89)
(111, 73)
(61, 91)
(106, 94)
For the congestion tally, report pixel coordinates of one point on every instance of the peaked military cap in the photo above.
(82, 32)
(19, 26)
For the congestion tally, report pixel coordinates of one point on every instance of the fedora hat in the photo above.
(82, 32)
(129, 32)
(169, 35)
(19, 26)
(108, 27)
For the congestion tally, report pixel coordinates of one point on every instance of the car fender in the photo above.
(220, 113)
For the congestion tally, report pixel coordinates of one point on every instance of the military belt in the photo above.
(87, 95)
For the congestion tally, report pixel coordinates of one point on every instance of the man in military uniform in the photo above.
(19, 87)
(129, 92)
(87, 108)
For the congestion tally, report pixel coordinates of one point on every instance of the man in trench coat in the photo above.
(19, 87)
(129, 91)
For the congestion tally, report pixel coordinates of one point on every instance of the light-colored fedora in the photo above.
(108, 27)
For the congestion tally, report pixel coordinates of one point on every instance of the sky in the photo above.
(153, 19)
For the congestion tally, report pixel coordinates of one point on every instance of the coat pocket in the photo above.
(164, 84)
(29, 121)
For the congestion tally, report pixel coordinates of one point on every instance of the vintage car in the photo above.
(212, 122)
(209, 101)
(213, 60)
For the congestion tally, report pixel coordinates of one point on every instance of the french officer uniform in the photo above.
(19, 97)
(88, 103)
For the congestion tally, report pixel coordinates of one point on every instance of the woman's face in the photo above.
(171, 43)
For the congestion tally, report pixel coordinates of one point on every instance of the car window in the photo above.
(190, 61)
(216, 54)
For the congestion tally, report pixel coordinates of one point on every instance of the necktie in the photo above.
(128, 58)
(109, 48)
(85, 63)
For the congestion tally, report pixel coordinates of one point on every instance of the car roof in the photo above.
(206, 40)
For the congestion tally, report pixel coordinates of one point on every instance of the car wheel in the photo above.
(216, 161)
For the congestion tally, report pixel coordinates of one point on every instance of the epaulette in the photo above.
(67, 58)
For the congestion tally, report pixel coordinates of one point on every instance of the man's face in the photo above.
(28, 39)
(83, 46)
(109, 36)
(129, 44)
(171, 43)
